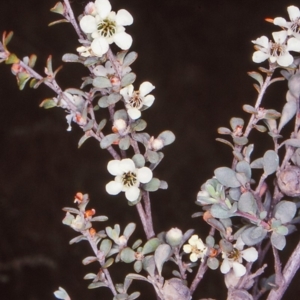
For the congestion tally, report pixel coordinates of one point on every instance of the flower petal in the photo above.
(113, 167)
(225, 266)
(285, 60)
(262, 41)
(144, 175)
(127, 165)
(103, 8)
(123, 40)
(259, 56)
(99, 46)
(186, 248)
(113, 187)
(280, 22)
(148, 100)
(293, 12)
(88, 24)
(134, 113)
(124, 18)
(250, 254)
(293, 44)
(145, 88)
(193, 257)
(238, 269)
(279, 36)
(132, 193)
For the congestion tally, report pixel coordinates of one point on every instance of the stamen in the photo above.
(129, 179)
(107, 28)
(135, 101)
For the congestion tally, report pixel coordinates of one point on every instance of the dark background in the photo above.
(197, 54)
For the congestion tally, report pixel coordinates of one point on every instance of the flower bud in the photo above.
(119, 125)
(174, 237)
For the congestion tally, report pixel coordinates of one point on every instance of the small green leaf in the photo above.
(139, 160)
(224, 130)
(130, 58)
(128, 79)
(83, 139)
(225, 142)
(138, 266)
(139, 125)
(249, 109)
(152, 186)
(288, 112)
(97, 284)
(58, 8)
(101, 126)
(124, 143)
(101, 82)
(240, 140)
(150, 246)
(235, 122)
(58, 22)
(213, 263)
(257, 163)
(227, 177)
(161, 255)
(270, 162)
(108, 140)
(127, 255)
(253, 235)
(293, 142)
(105, 246)
(285, 211)
(278, 240)
(48, 103)
(12, 59)
(70, 57)
(247, 203)
(257, 76)
(167, 136)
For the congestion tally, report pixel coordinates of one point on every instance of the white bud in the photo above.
(120, 125)
(174, 237)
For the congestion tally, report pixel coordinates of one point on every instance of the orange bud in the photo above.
(269, 20)
(89, 213)
(92, 231)
(213, 252)
(207, 215)
(78, 197)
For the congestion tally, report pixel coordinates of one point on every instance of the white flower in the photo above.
(106, 27)
(196, 247)
(135, 100)
(293, 27)
(278, 51)
(128, 178)
(235, 258)
(174, 237)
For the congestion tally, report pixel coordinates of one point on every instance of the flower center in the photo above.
(129, 179)
(136, 101)
(234, 254)
(277, 49)
(107, 28)
(296, 25)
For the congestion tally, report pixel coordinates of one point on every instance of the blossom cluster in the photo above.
(286, 40)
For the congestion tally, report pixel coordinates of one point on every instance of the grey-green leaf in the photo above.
(161, 255)
(270, 162)
(108, 140)
(288, 112)
(152, 186)
(227, 177)
(285, 211)
(128, 79)
(278, 240)
(101, 82)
